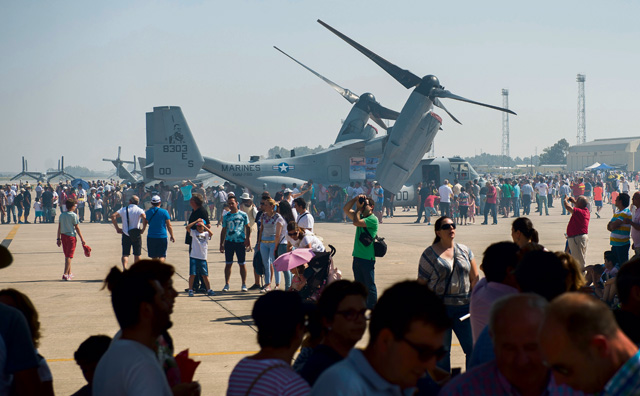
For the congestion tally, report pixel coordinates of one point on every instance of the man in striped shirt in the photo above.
(280, 318)
(620, 228)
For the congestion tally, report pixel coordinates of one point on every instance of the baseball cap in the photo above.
(155, 199)
(288, 190)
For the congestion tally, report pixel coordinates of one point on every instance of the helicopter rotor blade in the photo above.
(347, 94)
(384, 113)
(439, 104)
(443, 93)
(378, 121)
(404, 77)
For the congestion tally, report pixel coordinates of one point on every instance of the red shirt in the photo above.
(491, 195)
(578, 189)
(429, 201)
(579, 222)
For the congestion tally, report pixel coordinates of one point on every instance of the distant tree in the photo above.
(556, 154)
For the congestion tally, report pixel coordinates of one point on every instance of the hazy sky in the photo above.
(76, 77)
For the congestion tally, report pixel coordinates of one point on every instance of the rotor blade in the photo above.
(385, 113)
(443, 93)
(439, 104)
(348, 95)
(119, 149)
(378, 121)
(404, 77)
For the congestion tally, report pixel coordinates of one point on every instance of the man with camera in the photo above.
(578, 227)
(364, 259)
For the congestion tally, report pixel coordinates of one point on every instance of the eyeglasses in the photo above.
(352, 314)
(558, 368)
(447, 226)
(425, 352)
(292, 233)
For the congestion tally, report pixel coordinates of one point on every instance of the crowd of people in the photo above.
(538, 322)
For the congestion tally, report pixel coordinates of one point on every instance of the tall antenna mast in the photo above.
(505, 123)
(582, 123)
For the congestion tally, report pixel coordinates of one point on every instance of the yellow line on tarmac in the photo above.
(6, 241)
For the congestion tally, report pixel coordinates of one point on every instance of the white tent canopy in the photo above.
(595, 165)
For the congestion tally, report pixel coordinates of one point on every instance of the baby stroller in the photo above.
(319, 274)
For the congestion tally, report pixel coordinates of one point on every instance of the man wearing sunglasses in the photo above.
(406, 332)
(518, 368)
(586, 349)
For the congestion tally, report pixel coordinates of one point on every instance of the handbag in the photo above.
(379, 245)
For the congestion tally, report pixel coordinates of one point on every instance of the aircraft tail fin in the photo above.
(172, 152)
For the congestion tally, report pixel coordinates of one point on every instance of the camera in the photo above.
(361, 200)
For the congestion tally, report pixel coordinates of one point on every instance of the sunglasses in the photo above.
(448, 226)
(292, 233)
(426, 353)
(352, 314)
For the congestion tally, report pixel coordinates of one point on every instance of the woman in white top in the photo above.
(299, 238)
(270, 231)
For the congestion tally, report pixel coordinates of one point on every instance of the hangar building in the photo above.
(620, 152)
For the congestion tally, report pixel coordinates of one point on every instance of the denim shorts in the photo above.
(234, 247)
(198, 267)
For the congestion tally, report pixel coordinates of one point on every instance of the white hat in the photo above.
(245, 196)
(288, 190)
(155, 199)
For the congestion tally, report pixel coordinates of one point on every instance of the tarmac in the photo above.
(218, 330)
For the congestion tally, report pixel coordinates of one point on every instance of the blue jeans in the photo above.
(526, 204)
(282, 248)
(490, 207)
(463, 332)
(564, 210)
(542, 201)
(11, 209)
(364, 272)
(267, 250)
(516, 206)
(621, 253)
(20, 214)
(483, 201)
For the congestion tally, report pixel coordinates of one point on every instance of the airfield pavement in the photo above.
(218, 331)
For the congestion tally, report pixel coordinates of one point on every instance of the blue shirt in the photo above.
(354, 376)
(626, 381)
(235, 224)
(186, 192)
(157, 219)
(516, 191)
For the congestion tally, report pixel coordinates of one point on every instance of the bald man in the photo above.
(586, 349)
(518, 368)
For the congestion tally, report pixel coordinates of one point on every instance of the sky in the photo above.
(77, 77)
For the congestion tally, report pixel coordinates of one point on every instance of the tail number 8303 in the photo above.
(174, 148)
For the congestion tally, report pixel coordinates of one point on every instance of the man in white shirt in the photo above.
(143, 307)
(131, 232)
(543, 189)
(623, 185)
(304, 218)
(445, 198)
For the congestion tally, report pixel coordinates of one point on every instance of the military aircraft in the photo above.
(357, 154)
(121, 171)
(38, 176)
(46, 176)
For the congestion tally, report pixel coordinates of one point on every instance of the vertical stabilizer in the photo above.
(171, 152)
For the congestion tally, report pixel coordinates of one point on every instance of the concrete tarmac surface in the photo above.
(218, 331)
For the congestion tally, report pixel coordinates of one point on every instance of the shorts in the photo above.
(234, 247)
(505, 202)
(598, 204)
(127, 244)
(39, 213)
(198, 267)
(463, 211)
(431, 211)
(68, 245)
(157, 247)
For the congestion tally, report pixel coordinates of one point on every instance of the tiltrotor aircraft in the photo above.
(46, 176)
(122, 172)
(357, 154)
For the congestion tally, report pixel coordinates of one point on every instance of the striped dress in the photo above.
(620, 236)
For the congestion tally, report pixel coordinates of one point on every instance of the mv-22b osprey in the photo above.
(172, 150)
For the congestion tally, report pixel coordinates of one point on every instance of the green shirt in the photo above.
(359, 250)
(68, 221)
(507, 190)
